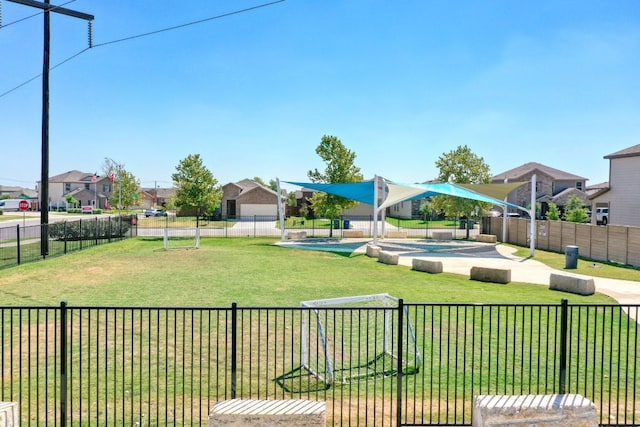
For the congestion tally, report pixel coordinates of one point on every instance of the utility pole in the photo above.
(44, 175)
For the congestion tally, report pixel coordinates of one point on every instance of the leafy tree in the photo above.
(273, 184)
(72, 201)
(575, 212)
(462, 166)
(553, 213)
(291, 199)
(259, 181)
(195, 186)
(126, 186)
(427, 210)
(340, 168)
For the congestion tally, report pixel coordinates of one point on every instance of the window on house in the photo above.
(106, 188)
(538, 186)
(86, 186)
(579, 185)
(67, 187)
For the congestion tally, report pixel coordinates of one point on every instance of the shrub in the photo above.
(90, 229)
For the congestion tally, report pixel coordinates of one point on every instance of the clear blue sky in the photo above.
(399, 82)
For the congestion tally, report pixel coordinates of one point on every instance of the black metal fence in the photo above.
(114, 366)
(22, 244)
(265, 226)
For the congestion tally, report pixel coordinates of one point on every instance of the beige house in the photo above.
(153, 197)
(82, 186)
(247, 198)
(552, 185)
(622, 195)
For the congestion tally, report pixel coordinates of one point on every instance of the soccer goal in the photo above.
(356, 338)
(181, 238)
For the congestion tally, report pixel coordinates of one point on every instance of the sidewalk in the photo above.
(524, 270)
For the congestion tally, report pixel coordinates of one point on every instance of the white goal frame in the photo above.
(328, 368)
(184, 235)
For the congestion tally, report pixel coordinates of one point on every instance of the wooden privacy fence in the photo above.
(615, 243)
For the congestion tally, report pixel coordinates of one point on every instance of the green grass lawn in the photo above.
(586, 267)
(255, 272)
(249, 271)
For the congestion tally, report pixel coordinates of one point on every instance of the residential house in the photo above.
(152, 197)
(622, 195)
(247, 198)
(87, 188)
(15, 192)
(552, 185)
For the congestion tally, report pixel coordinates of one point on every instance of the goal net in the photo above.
(181, 238)
(356, 338)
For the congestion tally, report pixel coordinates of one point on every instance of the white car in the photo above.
(154, 212)
(602, 216)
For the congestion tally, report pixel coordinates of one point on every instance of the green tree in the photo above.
(291, 199)
(195, 186)
(340, 168)
(273, 184)
(553, 213)
(462, 166)
(259, 181)
(427, 210)
(72, 201)
(126, 186)
(575, 212)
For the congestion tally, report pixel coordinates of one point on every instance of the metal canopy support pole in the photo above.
(375, 210)
(504, 217)
(44, 176)
(280, 213)
(532, 216)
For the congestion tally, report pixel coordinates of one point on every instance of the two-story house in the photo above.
(87, 188)
(622, 196)
(552, 185)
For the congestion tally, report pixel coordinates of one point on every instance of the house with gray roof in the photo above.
(552, 185)
(622, 194)
(80, 185)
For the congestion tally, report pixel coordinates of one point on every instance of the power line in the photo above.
(40, 75)
(200, 21)
(52, 9)
(150, 33)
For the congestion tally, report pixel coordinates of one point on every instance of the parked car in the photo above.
(602, 216)
(154, 212)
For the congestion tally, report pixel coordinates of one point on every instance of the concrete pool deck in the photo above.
(459, 256)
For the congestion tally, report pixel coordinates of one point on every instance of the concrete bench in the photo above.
(263, 413)
(426, 265)
(571, 283)
(486, 238)
(442, 235)
(387, 257)
(489, 274)
(550, 410)
(297, 235)
(373, 251)
(396, 234)
(9, 414)
(352, 233)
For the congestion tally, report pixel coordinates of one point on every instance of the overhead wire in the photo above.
(53, 8)
(150, 33)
